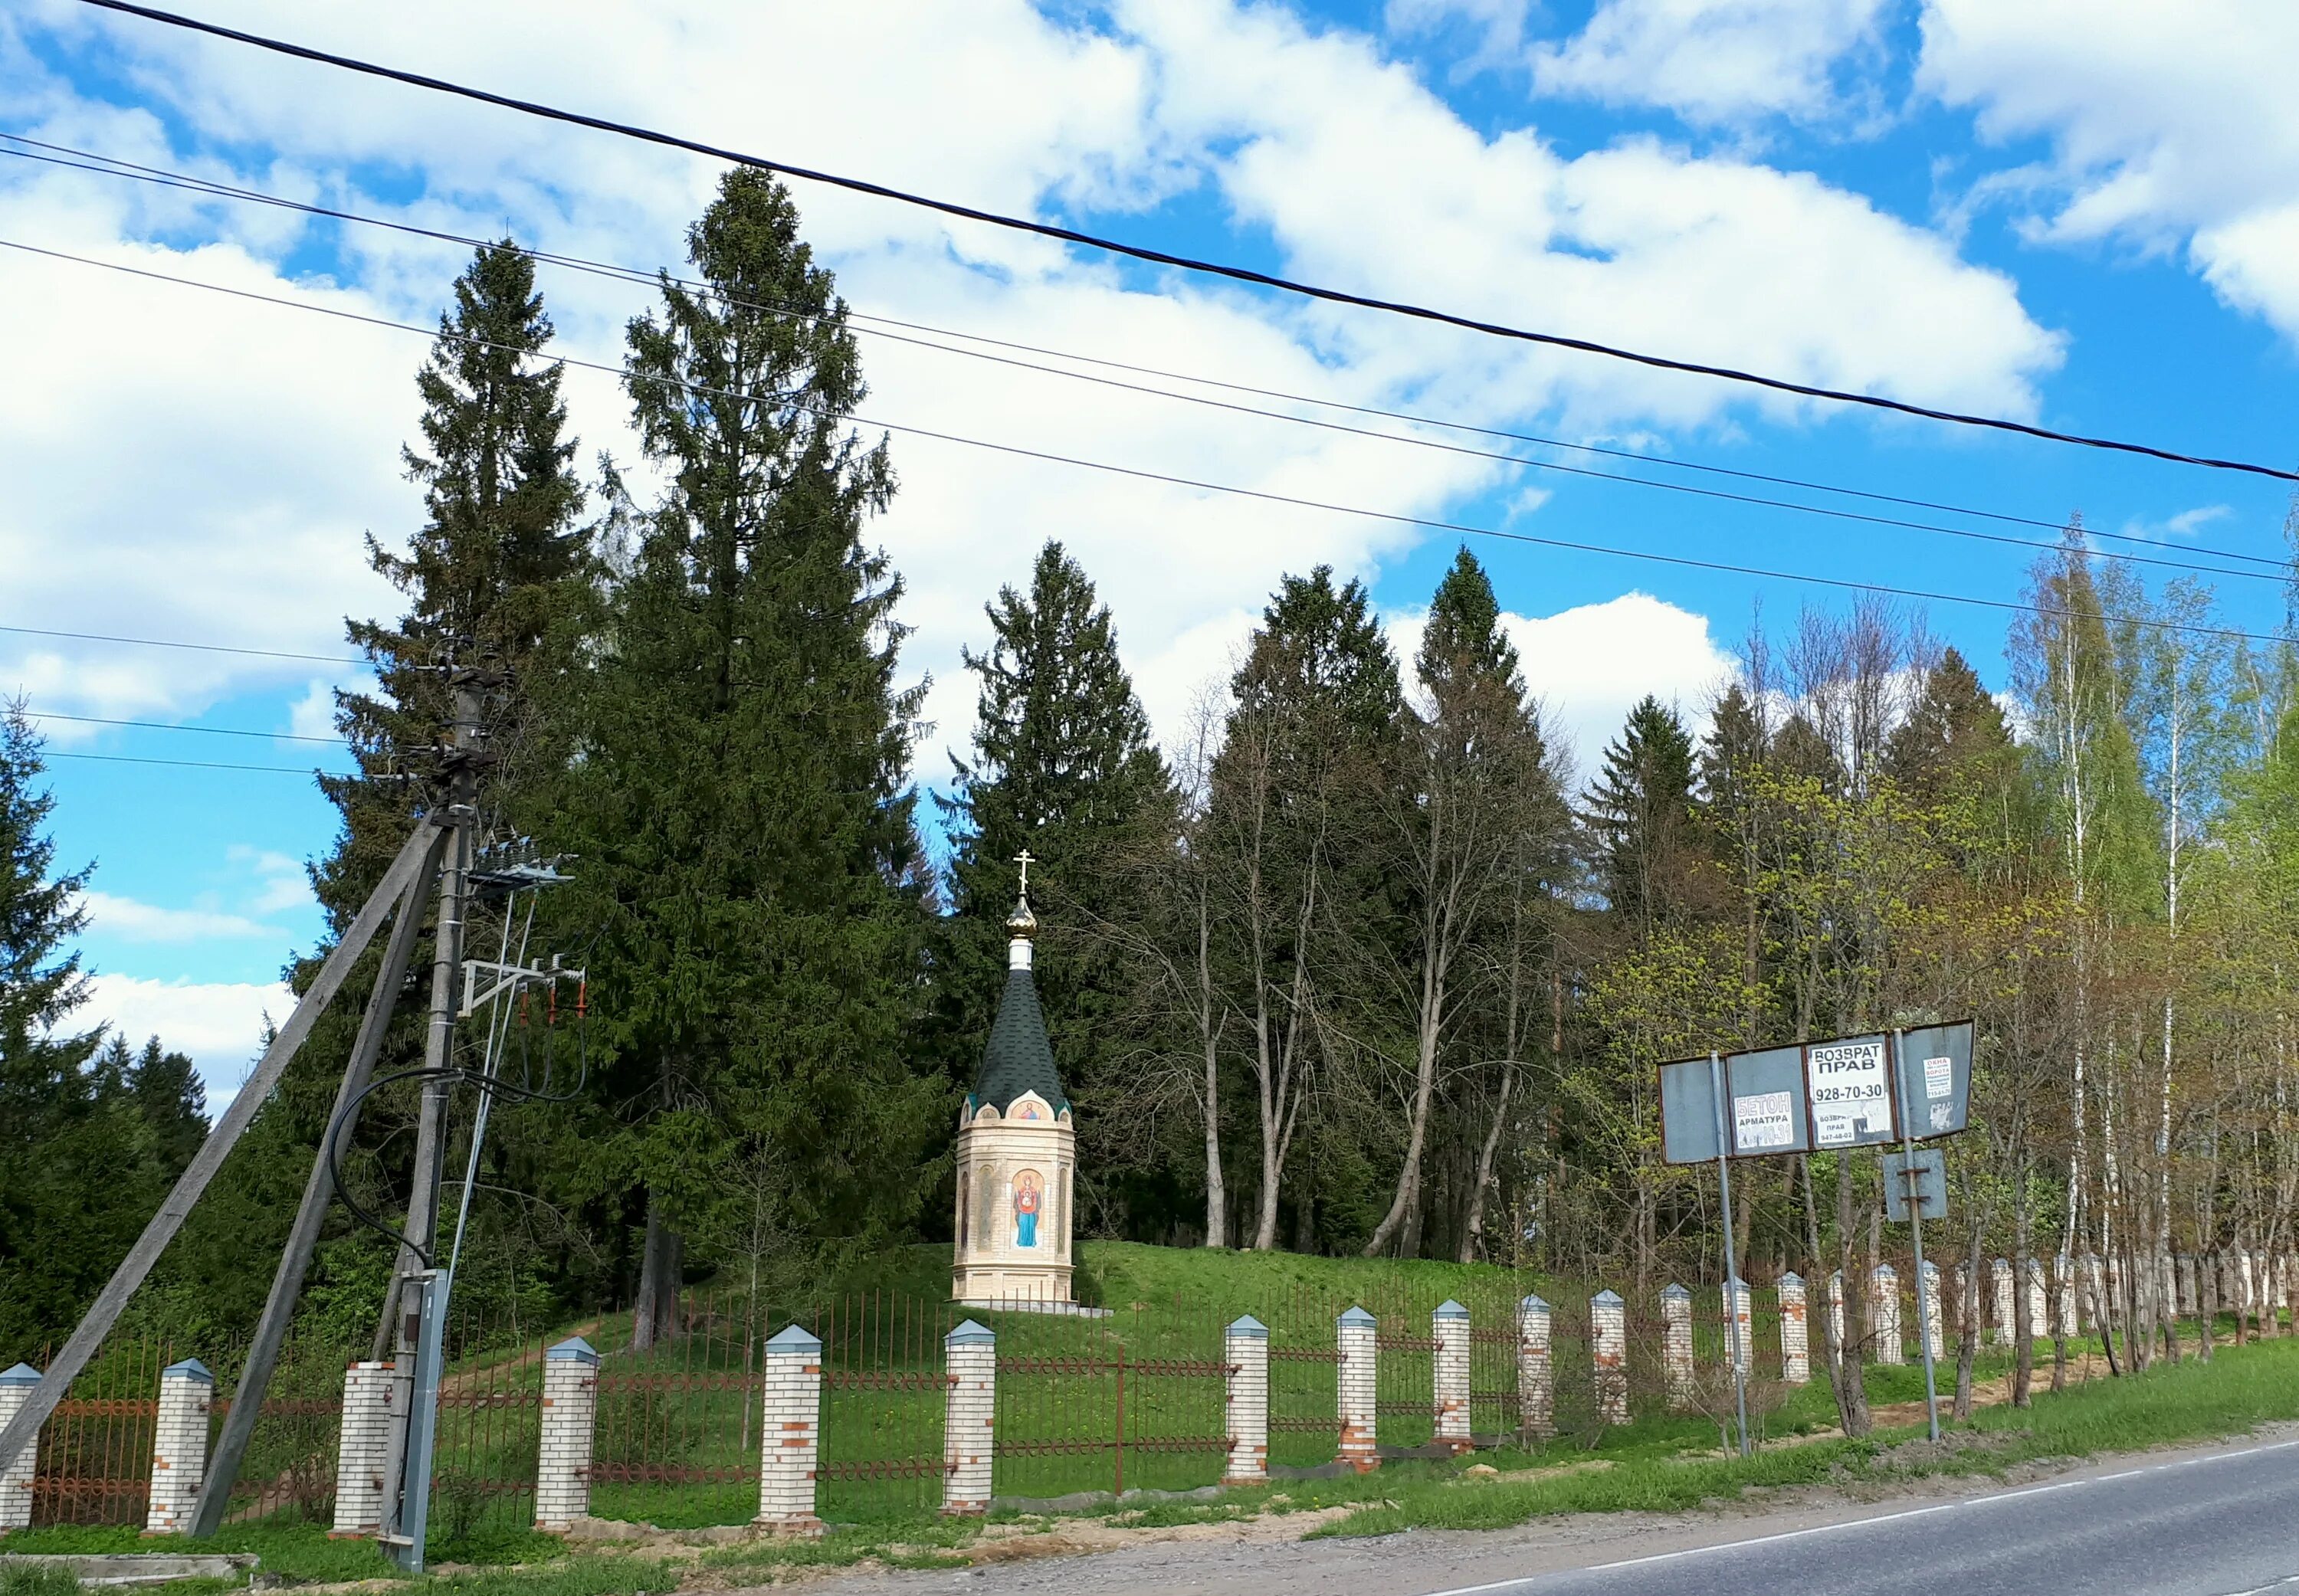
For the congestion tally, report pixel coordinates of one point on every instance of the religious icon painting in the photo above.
(1029, 1197)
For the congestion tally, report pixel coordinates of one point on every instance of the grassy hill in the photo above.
(1213, 1282)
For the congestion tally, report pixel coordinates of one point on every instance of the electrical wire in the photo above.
(1138, 473)
(277, 769)
(159, 643)
(98, 719)
(452, 1074)
(875, 326)
(1155, 257)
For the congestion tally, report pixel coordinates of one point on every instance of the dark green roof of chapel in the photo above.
(1019, 1059)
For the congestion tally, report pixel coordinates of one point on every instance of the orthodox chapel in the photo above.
(1017, 1149)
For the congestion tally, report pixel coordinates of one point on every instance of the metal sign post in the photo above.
(1906, 1111)
(1732, 1287)
(1835, 1095)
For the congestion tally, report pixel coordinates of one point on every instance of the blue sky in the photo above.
(2083, 215)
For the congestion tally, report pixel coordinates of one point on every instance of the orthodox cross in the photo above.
(1025, 859)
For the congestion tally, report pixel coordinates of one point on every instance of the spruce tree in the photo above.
(41, 982)
(60, 1197)
(488, 565)
(1062, 765)
(169, 1098)
(1297, 796)
(1640, 811)
(484, 571)
(749, 867)
(1955, 727)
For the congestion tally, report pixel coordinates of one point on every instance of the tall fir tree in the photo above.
(1062, 764)
(749, 868)
(69, 1178)
(1955, 728)
(1308, 761)
(484, 571)
(1639, 811)
(172, 1104)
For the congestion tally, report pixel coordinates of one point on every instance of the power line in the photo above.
(156, 642)
(1184, 262)
(96, 720)
(2274, 569)
(277, 769)
(863, 322)
(1142, 475)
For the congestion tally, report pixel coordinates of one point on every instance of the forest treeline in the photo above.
(1356, 963)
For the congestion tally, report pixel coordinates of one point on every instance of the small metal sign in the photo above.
(1929, 1169)
(1936, 1079)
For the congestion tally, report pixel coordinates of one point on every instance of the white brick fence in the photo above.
(1136, 1403)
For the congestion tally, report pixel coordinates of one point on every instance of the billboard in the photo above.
(1817, 1097)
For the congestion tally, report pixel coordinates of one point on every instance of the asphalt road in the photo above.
(2217, 1525)
(2216, 1521)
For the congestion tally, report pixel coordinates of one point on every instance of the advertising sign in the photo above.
(1849, 1087)
(1821, 1095)
(1938, 1072)
(1764, 1123)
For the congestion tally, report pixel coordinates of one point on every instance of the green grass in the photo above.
(36, 1580)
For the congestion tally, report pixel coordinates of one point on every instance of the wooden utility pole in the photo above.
(230, 1126)
(319, 1191)
(418, 1290)
(446, 968)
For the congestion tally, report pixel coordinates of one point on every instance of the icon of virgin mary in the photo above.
(1028, 1195)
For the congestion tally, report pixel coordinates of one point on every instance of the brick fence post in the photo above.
(1245, 1348)
(1934, 1318)
(16, 1484)
(180, 1446)
(2040, 1321)
(1676, 1345)
(1608, 1354)
(1355, 1389)
(1448, 1328)
(970, 1420)
(1536, 1370)
(1884, 1314)
(1740, 1322)
(362, 1449)
(571, 1408)
(1795, 1337)
(2000, 1277)
(789, 1434)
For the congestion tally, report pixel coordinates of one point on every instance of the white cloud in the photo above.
(314, 714)
(281, 882)
(221, 1026)
(133, 922)
(2169, 127)
(1591, 664)
(219, 460)
(1711, 60)
(1498, 26)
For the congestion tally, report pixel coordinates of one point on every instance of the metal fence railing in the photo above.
(1087, 1400)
